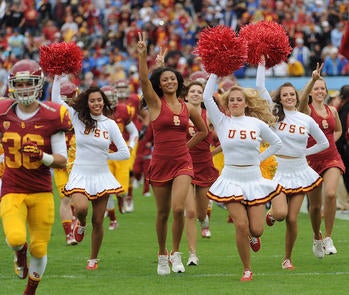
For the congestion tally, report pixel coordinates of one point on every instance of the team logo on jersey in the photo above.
(324, 124)
(176, 120)
(6, 124)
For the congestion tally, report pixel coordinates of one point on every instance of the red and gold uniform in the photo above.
(143, 157)
(329, 157)
(27, 184)
(121, 169)
(60, 175)
(133, 105)
(218, 159)
(205, 173)
(170, 156)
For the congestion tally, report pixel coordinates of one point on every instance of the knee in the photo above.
(256, 231)
(97, 222)
(241, 226)
(280, 214)
(162, 215)
(315, 205)
(15, 239)
(330, 196)
(38, 249)
(178, 212)
(190, 214)
(292, 221)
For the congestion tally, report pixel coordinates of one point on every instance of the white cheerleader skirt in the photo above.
(296, 176)
(94, 181)
(245, 185)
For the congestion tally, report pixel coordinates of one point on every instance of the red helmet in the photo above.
(199, 75)
(226, 84)
(69, 91)
(31, 78)
(122, 89)
(111, 94)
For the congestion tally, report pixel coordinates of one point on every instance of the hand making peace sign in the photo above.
(142, 43)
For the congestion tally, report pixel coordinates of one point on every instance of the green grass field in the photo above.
(128, 261)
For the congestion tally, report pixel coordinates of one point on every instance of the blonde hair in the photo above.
(256, 106)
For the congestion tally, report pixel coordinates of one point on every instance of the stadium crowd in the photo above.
(107, 33)
(121, 41)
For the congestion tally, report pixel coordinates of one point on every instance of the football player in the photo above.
(33, 139)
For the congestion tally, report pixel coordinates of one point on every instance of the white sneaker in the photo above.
(113, 225)
(128, 203)
(163, 266)
(176, 261)
(329, 247)
(287, 264)
(319, 248)
(70, 240)
(205, 223)
(193, 259)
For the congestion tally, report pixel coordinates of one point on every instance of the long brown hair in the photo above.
(84, 113)
(278, 109)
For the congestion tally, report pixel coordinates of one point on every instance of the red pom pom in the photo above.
(222, 52)
(266, 38)
(61, 58)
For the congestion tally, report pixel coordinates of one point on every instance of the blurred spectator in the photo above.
(16, 44)
(14, 16)
(3, 79)
(114, 25)
(281, 70)
(337, 34)
(58, 12)
(2, 12)
(31, 19)
(302, 54)
(315, 56)
(69, 29)
(333, 64)
(229, 15)
(49, 31)
(334, 99)
(325, 37)
(45, 11)
(295, 67)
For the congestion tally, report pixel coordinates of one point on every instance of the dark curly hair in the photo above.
(84, 113)
(155, 81)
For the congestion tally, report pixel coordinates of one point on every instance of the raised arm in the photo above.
(150, 96)
(304, 96)
(260, 83)
(56, 93)
(211, 106)
(56, 90)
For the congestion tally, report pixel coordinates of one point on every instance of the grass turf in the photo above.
(128, 261)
